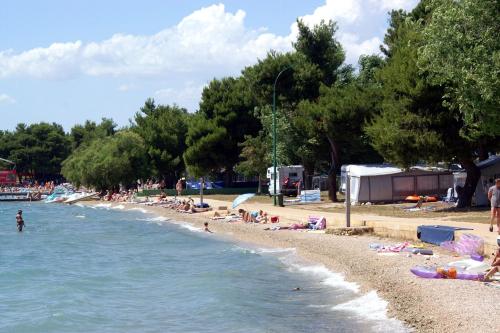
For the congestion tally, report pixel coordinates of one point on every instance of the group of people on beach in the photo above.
(121, 196)
(47, 187)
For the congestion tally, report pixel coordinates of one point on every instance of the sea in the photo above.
(102, 269)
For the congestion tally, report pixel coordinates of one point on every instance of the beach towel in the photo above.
(437, 234)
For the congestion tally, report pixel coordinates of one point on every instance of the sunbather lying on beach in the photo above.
(495, 263)
(253, 217)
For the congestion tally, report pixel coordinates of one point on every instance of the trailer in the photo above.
(289, 179)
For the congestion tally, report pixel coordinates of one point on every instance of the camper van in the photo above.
(289, 178)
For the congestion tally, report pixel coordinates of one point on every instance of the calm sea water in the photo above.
(81, 269)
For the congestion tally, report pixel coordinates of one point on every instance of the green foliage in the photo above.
(81, 134)
(414, 125)
(164, 130)
(255, 156)
(207, 145)
(462, 52)
(105, 163)
(38, 149)
(319, 47)
(226, 115)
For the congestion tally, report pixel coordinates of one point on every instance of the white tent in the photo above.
(386, 183)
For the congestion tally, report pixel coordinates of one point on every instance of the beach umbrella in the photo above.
(241, 199)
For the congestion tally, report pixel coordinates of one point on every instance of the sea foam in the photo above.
(102, 205)
(189, 227)
(328, 277)
(370, 306)
(142, 210)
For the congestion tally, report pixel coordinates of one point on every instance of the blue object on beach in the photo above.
(241, 199)
(202, 205)
(436, 234)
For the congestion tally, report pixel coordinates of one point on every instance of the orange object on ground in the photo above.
(452, 273)
(416, 198)
(412, 198)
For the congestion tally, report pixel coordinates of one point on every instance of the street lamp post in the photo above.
(274, 131)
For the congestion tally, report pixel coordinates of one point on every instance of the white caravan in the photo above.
(295, 174)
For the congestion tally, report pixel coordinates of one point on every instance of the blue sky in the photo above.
(68, 61)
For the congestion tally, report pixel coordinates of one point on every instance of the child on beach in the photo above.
(206, 228)
(495, 263)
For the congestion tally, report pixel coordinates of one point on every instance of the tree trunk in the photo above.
(308, 173)
(466, 192)
(259, 188)
(202, 185)
(334, 169)
(482, 152)
(228, 177)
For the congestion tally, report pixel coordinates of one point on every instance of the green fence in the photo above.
(172, 192)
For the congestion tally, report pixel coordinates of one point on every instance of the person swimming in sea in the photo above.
(19, 220)
(206, 227)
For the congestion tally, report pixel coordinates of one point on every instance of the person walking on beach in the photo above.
(19, 220)
(494, 197)
(178, 187)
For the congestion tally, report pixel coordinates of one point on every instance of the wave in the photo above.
(242, 250)
(189, 227)
(118, 207)
(102, 205)
(142, 210)
(328, 277)
(277, 250)
(155, 219)
(370, 306)
(80, 216)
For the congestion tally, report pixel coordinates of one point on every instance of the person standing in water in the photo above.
(19, 220)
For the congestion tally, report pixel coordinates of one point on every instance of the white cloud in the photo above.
(6, 99)
(210, 42)
(355, 48)
(395, 4)
(187, 95)
(59, 60)
(339, 10)
(125, 87)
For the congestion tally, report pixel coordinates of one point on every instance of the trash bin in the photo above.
(280, 200)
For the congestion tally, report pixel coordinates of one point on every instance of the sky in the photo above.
(69, 61)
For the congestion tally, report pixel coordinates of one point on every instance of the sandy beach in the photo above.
(424, 305)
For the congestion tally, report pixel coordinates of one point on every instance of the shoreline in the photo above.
(422, 305)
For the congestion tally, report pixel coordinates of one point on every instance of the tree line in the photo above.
(432, 96)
